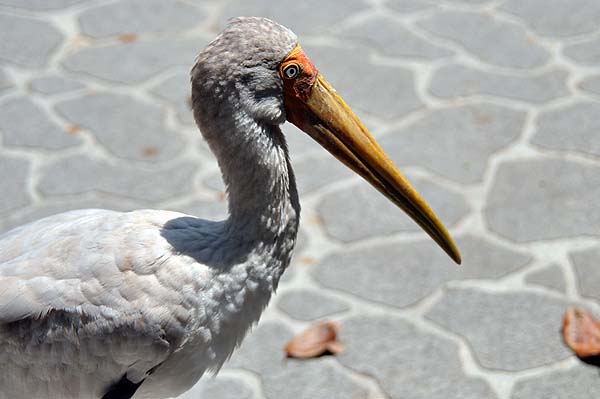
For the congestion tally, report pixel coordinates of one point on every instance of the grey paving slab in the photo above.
(79, 174)
(383, 217)
(512, 47)
(211, 210)
(472, 133)
(14, 173)
(5, 82)
(23, 123)
(138, 60)
(151, 16)
(176, 90)
(219, 388)
(406, 6)
(134, 129)
(586, 53)
(575, 122)
(459, 81)
(506, 331)
(390, 38)
(318, 171)
(586, 264)
(583, 16)
(551, 277)
(405, 273)
(544, 199)
(581, 382)
(303, 17)
(591, 84)
(41, 4)
(358, 76)
(54, 84)
(41, 40)
(396, 353)
(309, 305)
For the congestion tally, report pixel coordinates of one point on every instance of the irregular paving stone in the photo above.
(512, 47)
(47, 208)
(318, 171)
(40, 4)
(471, 133)
(24, 123)
(586, 53)
(458, 80)
(388, 36)
(210, 210)
(176, 90)
(5, 82)
(13, 173)
(54, 84)
(219, 388)
(139, 16)
(542, 199)
(405, 6)
(263, 352)
(41, 38)
(591, 85)
(126, 126)
(405, 273)
(79, 174)
(357, 79)
(361, 211)
(309, 305)
(299, 142)
(572, 128)
(550, 277)
(302, 17)
(579, 382)
(587, 269)
(583, 15)
(138, 60)
(509, 331)
(401, 357)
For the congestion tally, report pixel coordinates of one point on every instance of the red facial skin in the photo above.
(296, 91)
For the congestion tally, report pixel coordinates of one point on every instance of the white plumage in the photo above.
(102, 304)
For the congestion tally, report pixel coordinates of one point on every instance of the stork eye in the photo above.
(291, 71)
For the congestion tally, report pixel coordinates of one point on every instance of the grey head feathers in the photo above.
(239, 70)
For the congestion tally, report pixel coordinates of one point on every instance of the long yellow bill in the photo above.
(325, 116)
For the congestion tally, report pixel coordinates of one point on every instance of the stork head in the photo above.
(259, 66)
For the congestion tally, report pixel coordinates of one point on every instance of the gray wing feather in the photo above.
(90, 287)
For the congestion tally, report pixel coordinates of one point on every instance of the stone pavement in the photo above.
(492, 107)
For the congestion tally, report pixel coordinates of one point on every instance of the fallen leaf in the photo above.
(318, 339)
(128, 37)
(581, 332)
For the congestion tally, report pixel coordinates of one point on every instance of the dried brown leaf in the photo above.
(581, 332)
(318, 339)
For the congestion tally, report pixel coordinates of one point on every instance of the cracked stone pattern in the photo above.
(546, 204)
(151, 16)
(460, 81)
(16, 31)
(127, 115)
(383, 216)
(25, 124)
(54, 84)
(575, 121)
(530, 322)
(551, 277)
(579, 382)
(406, 273)
(489, 107)
(583, 15)
(471, 133)
(586, 269)
(309, 305)
(512, 47)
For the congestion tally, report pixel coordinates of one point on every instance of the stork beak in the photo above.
(328, 120)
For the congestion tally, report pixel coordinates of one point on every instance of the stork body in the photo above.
(102, 304)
